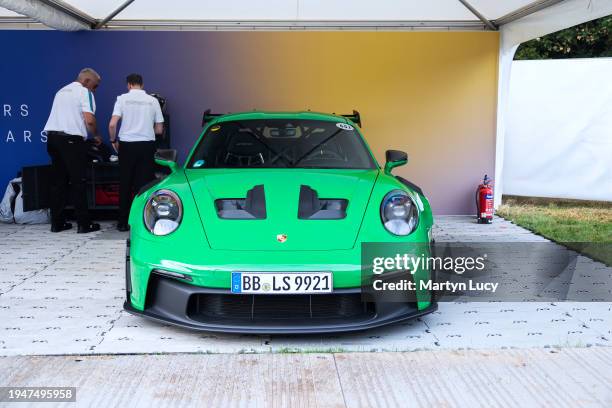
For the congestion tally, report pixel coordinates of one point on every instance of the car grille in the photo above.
(205, 306)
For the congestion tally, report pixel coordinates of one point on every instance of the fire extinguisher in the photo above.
(484, 201)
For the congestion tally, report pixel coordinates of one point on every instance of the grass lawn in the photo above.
(582, 225)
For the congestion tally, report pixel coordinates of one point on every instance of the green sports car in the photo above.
(261, 230)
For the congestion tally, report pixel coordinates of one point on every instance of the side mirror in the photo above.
(395, 158)
(166, 158)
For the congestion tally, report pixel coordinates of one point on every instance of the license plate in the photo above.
(282, 283)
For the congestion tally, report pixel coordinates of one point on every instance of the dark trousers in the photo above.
(136, 168)
(68, 165)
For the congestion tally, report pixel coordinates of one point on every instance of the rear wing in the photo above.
(207, 116)
(355, 117)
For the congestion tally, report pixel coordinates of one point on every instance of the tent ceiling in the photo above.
(7, 13)
(358, 13)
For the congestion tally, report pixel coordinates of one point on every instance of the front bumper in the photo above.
(209, 309)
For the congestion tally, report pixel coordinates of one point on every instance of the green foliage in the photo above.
(586, 228)
(589, 40)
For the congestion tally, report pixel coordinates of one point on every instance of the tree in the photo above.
(589, 40)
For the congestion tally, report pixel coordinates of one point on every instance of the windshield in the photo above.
(282, 143)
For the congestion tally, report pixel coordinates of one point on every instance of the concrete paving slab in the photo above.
(238, 380)
(507, 378)
(566, 377)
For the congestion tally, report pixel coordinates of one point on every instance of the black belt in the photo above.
(63, 134)
(136, 141)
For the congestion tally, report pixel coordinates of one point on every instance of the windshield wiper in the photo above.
(302, 157)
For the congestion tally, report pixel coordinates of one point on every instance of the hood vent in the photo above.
(253, 207)
(314, 208)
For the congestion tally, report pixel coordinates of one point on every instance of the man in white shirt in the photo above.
(141, 119)
(72, 116)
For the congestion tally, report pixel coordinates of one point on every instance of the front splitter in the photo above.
(257, 326)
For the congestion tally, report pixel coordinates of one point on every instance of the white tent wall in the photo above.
(554, 18)
(559, 129)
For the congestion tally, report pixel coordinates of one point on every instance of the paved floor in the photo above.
(63, 293)
(567, 377)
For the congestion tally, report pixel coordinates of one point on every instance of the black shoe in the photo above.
(123, 227)
(61, 227)
(84, 229)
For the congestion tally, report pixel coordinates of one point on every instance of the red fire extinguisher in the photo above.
(484, 201)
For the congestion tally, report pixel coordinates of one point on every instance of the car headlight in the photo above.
(398, 212)
(163, 212)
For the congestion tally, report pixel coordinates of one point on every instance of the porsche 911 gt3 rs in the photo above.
(261, 229)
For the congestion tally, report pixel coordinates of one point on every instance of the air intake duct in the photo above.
(314, 208)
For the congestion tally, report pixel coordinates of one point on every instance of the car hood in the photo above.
(281, 189)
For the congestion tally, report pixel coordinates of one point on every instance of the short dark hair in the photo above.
(134, 79)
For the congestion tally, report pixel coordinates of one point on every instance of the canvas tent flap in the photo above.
(575, 162)
(558, 17)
